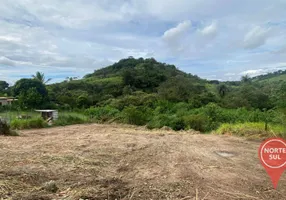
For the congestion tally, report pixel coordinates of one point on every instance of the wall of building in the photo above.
(4, 102)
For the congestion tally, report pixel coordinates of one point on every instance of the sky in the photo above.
(214, 39)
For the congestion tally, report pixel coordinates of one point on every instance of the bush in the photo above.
(132, 115)
(28, 123)
(5, 129)
(177, 124)
(135, 99)
(181, 108)
(197, 122)
(172, 121)
(158, 121)
(164, 107)
(70, 118)
(102, 113)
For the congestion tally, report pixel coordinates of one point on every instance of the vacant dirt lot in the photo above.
(124, 162)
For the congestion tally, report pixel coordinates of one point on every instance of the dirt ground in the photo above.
(125, 162)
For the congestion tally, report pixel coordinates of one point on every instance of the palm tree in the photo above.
(41, 77)
(246, 79)
(222, 90)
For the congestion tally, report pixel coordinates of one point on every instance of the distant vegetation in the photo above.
(147, 92)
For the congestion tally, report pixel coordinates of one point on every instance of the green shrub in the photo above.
(5, 129)
(135, 99)
(177, 124)
(197, 122)
(172, 121)
(181, 108)
(164, 107)
(158, 121)
(70, 118)
(28, 123)
(102, 113)
(132, 115)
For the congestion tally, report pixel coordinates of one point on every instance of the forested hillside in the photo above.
(126, 77)
(147, 92)
(130, 77)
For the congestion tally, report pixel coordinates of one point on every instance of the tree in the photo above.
(255, 96)
(31, 99)
(41, 77)
(25, 84)
(31, 93)
(128, 77)
(3, 85)
(246, 79)
(178, 89)
(83, 101)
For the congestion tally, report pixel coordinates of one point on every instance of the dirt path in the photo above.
(122, 162)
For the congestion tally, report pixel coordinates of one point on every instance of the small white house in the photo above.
(4, 101)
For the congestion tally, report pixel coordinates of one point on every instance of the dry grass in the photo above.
(125, 162)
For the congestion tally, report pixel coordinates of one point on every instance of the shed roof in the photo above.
(5, 98)
(45, 110)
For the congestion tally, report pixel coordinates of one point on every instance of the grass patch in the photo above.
(11, 115)
(102, 114)
(19, 124)
(252, 130)
(65, 118)
(71, 118)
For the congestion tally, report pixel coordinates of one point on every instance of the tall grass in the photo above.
(69, 118)
(102, 114)
(133, 115)
(252, 130)
(12, 115)
(28, 123)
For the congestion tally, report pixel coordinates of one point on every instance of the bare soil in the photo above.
(125, 162)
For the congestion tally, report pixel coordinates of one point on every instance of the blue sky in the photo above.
(215, 39)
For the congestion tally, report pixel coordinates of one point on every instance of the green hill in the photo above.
(130, 81)
(126, 77)
(136, 65)
(277, 76)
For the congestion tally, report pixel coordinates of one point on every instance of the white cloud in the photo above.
(256, 37)
(9, 38)
(266, 69)
(210, 31)
(175, 33)
(75, 37)
(253, 72)
(175, 37)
